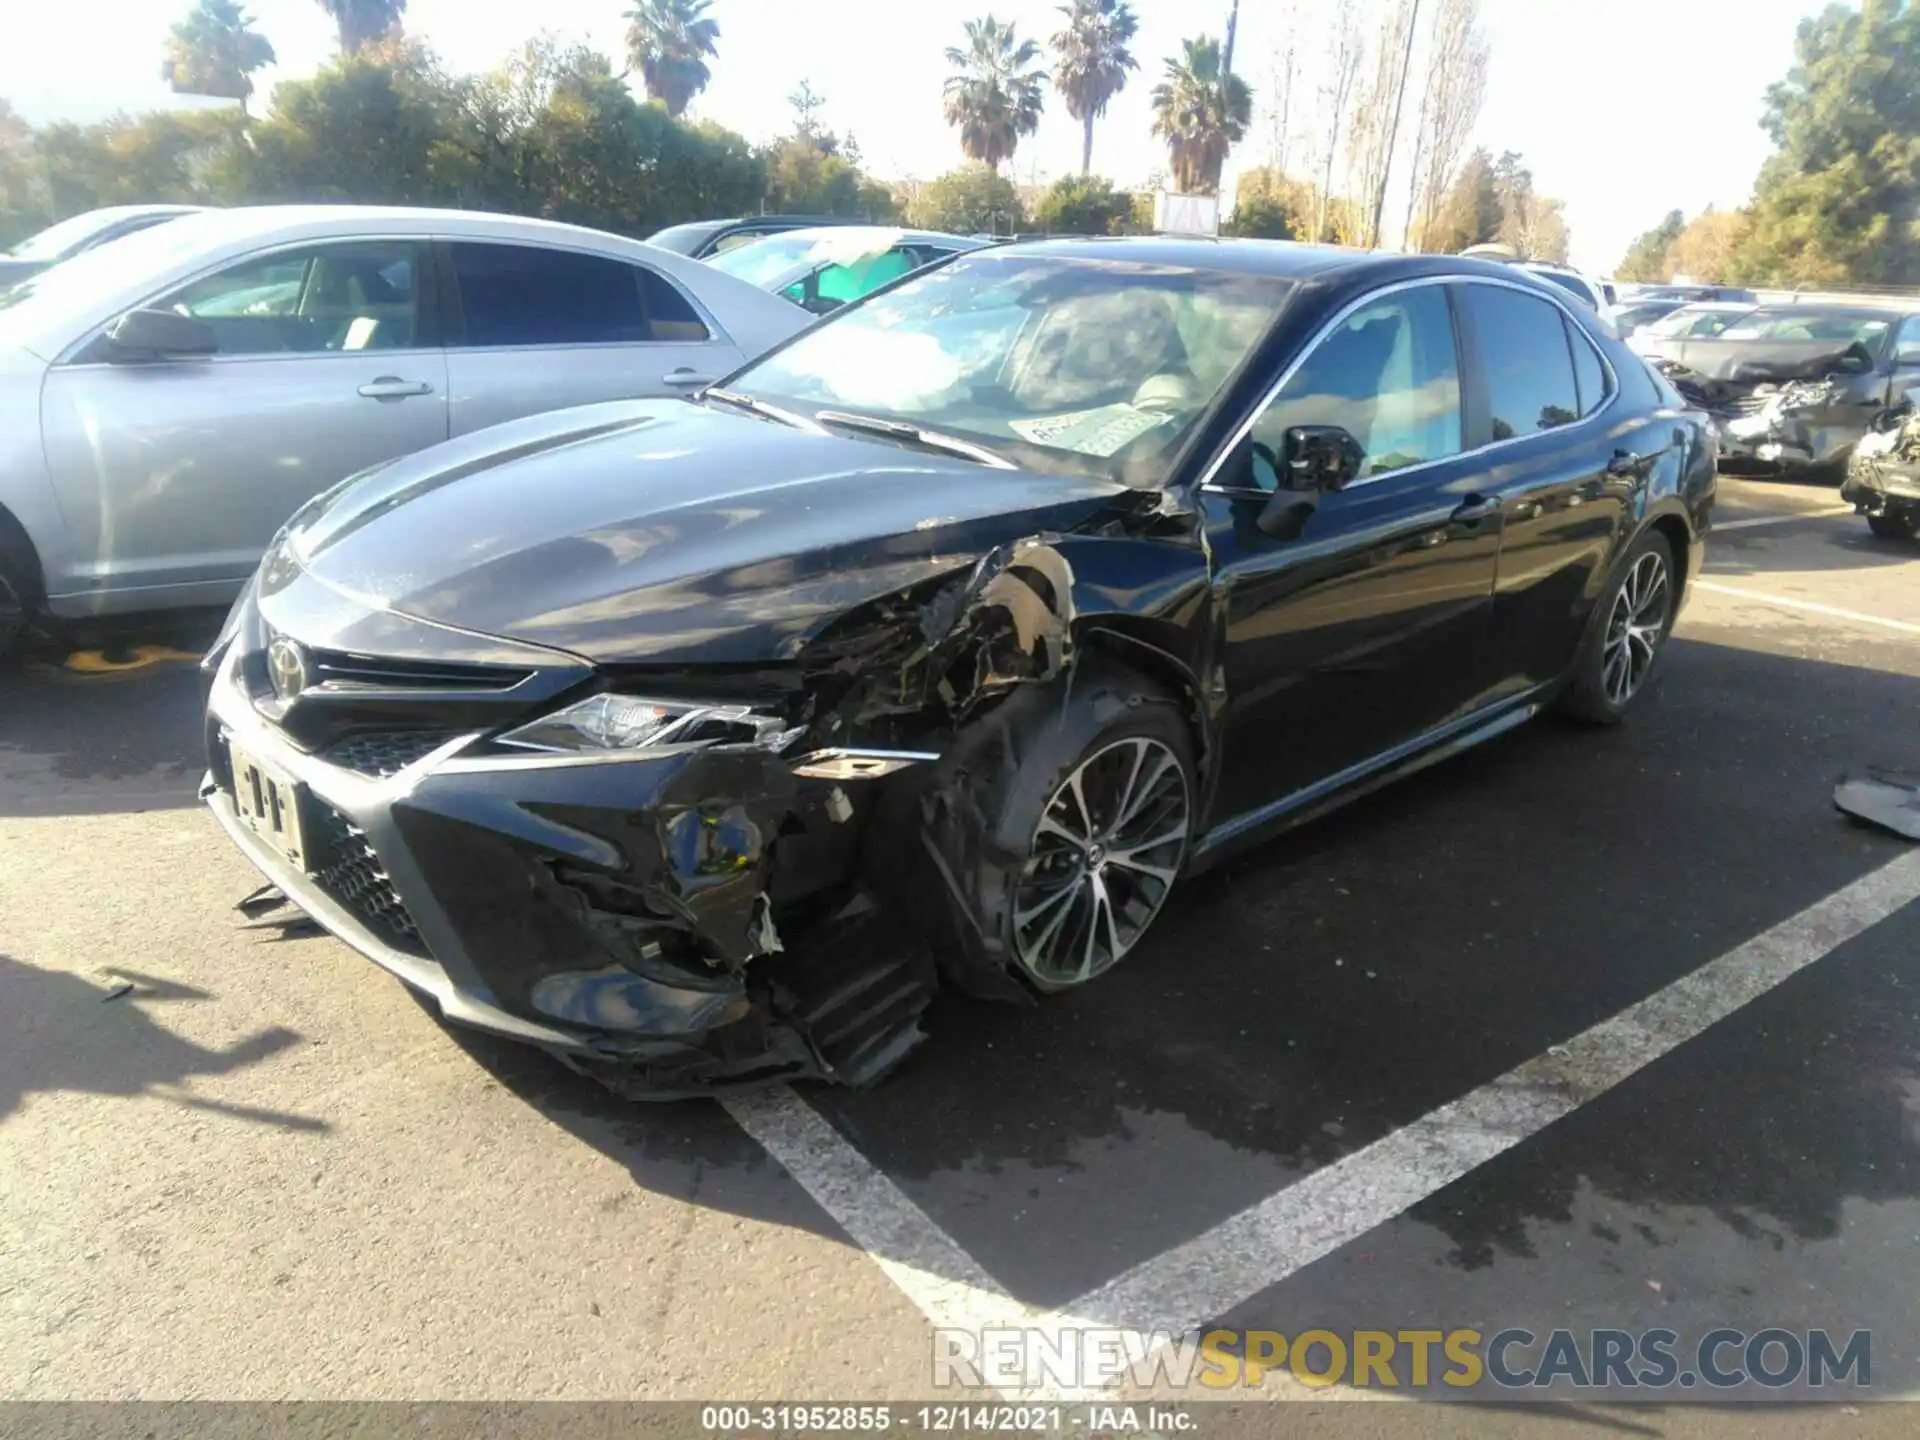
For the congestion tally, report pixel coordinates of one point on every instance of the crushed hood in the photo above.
(1746, 363)
(666, 532)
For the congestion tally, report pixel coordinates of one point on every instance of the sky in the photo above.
(1625, 109)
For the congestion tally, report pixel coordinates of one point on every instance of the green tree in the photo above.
(1200, 111)
(996, 97)
(1471, 213)
(364, 22)
(1084, 205)
(671, 41)
(214, 51)
(1093, 62)
(1646, 258)
(1836, 201)
(974, 200)
(124, 161)
(1267, 205)
(24, 203)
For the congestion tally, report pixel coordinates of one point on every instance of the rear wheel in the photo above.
(1902, 524)
(1624, 638)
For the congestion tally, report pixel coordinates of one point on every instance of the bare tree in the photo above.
(1283, 68)
(1376, 129)
(1449, 107)
(1346, 55)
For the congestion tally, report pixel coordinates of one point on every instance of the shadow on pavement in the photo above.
(63, 1034)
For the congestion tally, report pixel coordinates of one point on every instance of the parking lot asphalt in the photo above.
(262, 1171)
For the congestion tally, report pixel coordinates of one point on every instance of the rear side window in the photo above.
(1528, 368)
(524, 295)
(1589, 374)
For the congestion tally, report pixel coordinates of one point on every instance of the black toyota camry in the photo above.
(700, 741)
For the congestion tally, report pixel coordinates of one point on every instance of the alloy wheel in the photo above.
(1636, 625)
(1103, 859)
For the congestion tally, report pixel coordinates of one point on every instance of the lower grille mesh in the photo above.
(383, 754)
(352, 875)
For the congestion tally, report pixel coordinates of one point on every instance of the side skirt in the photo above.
(1252, 826)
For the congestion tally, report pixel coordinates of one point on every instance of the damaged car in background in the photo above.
(1795, 387)
(1883, 477)
(702, 741)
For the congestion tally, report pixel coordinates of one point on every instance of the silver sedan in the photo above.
(167, 401)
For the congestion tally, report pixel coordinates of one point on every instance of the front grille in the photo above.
(347, 670)
(1750, 404)
(352, 875)
(385, 753)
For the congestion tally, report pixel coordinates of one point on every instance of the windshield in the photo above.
(56, 240)
(1684, 321)
(1839, 327)
(1063, 365)
(764, 261)
(1644, 314)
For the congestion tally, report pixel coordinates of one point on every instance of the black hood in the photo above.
(1746, 363)
(666, 532)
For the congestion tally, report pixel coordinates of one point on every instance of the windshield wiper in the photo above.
(755, 407)
(926, 439)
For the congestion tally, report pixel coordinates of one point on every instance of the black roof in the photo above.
(1261, 257)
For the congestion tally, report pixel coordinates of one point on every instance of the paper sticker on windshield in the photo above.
(1099, 432)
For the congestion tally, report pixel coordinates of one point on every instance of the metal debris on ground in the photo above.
(1888, 798)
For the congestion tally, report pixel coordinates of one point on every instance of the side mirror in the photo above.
(1320, 457)
(159, 335)
(1857, 360)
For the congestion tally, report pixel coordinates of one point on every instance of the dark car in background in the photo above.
(1793, 387)
(81, 233)
(1695, 294)
(703, 239)
(700, 741)
(822, 268)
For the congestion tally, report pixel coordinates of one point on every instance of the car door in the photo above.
(534, 328)
(179, 471)
(1361, 626)
(1563, 475)
(1905, 359)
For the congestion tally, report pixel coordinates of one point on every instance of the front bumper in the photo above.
(484, 885)
(1879, 483)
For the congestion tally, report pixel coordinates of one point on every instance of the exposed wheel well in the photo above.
(16, 549)
(1115, 650)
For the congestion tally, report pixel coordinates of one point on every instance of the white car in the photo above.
(168, 400)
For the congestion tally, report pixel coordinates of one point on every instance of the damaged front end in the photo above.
(679, 881)
(1789, 426)
(1883, 475)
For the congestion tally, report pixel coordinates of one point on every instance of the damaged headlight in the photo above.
(615, 723)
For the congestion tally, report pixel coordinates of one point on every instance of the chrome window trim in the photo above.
(1538, 292)
(272, 248)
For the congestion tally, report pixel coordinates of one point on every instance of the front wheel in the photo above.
(1629, 628)
(1902, 524)
(15, 613)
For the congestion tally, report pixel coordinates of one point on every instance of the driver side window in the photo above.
(346, 296)
(1906, 344)
(1389, 375)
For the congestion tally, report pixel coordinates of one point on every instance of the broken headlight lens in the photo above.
(608, 722)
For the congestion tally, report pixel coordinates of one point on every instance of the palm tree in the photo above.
(1094, 61)
(362, 22)
(996, 98)
(1200, 112)
(214, 51)
(670, 40)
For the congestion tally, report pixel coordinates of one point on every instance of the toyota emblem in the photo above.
(287, 667)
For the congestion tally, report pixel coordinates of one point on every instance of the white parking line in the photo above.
(1788, 602)
(1720, 527)
(1180, 1290)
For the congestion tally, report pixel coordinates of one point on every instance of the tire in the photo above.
(1626, 634)
(1901, 524)
(1057, 901)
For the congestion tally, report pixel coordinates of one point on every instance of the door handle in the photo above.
(1625, 462)
(1475, 510)
(686, 379)
(392, 387)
